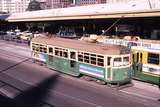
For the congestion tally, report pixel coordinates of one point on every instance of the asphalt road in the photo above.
(26, 84)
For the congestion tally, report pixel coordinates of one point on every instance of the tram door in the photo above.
(137, 62)
(72, 61)
(109, 68)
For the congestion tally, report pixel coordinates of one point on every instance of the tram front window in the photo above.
(121, 61)
(126, 60)
(117, 62)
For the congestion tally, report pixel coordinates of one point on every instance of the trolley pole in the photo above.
(112, 25)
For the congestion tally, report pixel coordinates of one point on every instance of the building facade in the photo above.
(13, 6)
(68, 3)
(59, 3)
(5, 5)
(117, 1)
(87, 2)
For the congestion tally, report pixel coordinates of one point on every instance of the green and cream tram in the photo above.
(107, 63)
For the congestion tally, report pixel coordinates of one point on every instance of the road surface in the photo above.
(27, 84)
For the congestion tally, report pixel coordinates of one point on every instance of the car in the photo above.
(10, 35)
(25, 37)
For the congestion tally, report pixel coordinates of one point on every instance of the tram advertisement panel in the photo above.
(151, 69)
(39, 56)
(95, 71)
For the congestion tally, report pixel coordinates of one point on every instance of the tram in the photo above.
(146, 62)
(145, 57)
(107, 63)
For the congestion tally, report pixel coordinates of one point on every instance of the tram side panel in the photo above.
(60, 60)
(122, 75)
(110, 70)
(146, 66)
(91, 70)
(87, 65)
(63, 65)
(121, 69)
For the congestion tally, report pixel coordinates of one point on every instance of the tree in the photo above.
(34, 5)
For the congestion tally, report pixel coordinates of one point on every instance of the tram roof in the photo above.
(106, 49)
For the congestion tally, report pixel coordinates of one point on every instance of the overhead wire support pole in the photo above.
(112, 25)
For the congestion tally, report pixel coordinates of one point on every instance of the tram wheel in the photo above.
(100, 82)
(87, 78)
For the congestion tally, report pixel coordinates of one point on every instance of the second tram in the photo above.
(145, 58)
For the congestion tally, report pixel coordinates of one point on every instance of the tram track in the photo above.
(11, 55)
(12, 66)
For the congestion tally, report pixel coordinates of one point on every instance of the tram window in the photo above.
(108, 61)
(86, 59)
(50, 50)
(100, 62)
(73, 55)
(117, 62)
(45, 50)
(56, 48)
(33, 47)
(60, 53)
(93, 60)
(65, 54)
(117, 59)
(57, 52)
(93, 55)
(80, 58)
(100, 56)
(153, 58)
(40, 49)
(126, 59)
(86, 54)
(37, 49)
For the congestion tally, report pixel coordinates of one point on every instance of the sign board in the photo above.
(98, 72)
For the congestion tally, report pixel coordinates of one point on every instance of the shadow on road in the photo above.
(31, 97)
